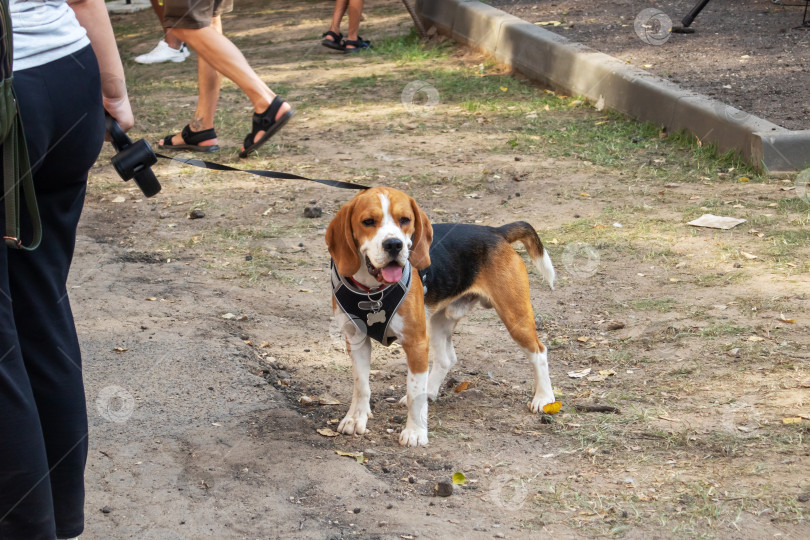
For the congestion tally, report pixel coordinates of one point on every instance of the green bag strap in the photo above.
(16, 165)
(17, 171)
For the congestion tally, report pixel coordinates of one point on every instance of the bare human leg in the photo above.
(355, 13)
(222, 56)
(337, 17)
(168, 35)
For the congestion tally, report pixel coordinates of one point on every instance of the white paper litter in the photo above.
(579, 374)
(716, 222)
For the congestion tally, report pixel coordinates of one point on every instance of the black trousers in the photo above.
(43, 416)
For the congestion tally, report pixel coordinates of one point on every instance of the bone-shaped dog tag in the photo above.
(376, 317)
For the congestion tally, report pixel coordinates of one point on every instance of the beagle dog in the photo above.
(381, 239)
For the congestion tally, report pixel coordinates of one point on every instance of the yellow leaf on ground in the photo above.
(755, 338)
(459, 478)
(552, 408)
(326, 432)
(462, 386)
(784, 320)
(583, 339)
(792, 420)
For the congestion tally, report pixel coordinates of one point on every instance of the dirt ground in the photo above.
(201, 336)
(748, 53)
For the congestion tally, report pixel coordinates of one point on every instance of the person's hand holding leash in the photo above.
(116, 102)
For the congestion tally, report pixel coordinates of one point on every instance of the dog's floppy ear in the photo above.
(422, 238)
(340, 241)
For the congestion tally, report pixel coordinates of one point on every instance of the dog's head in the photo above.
(377, 232)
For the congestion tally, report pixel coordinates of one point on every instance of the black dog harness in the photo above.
(371, 311)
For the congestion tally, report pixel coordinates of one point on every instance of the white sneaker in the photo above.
(163, 53)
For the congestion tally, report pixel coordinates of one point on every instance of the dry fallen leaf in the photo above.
(785, 320)
(462, 386)
(306, 400)
(755, 338)
(792, 420)
(583, 339)
(327, 400)
(749, 256)
(583, 194)
(552, 408)
(151, 299)
(327, 432)
(120, 349)
(358, 456)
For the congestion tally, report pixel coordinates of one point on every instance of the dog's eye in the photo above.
(369, 222)
(404, 221)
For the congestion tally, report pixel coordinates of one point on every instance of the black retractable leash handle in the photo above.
(134, 160)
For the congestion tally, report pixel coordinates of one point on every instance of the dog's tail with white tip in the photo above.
(520, 231)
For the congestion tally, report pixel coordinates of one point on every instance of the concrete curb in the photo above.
(608, 82)
(121, 6)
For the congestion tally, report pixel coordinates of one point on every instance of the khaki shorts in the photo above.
(193, 14)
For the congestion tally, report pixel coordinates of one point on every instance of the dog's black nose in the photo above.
(392, 245)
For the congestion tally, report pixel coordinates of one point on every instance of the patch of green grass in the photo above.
(661, 305)
(798, 204)
(409, 48)
(788, 242)
(724, 329)
(719, 278)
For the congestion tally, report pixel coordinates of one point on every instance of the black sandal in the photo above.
(191, 140)
(337, 44)
(358, 45)
(266, 122)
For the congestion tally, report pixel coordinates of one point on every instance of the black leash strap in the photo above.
(266, 174)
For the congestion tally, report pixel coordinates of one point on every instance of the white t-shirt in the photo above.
(44, 31)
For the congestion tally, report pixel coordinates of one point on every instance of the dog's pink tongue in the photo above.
(392, 273)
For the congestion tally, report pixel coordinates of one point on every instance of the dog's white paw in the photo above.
(413, 437)
(536, 404)
(354, 423)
